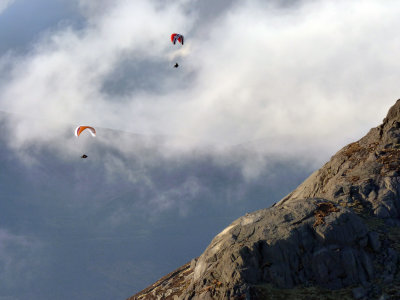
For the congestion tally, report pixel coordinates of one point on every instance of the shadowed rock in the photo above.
(338, 231)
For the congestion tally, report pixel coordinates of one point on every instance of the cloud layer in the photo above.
(294, 77)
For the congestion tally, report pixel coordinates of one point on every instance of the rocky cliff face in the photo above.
(336, 235)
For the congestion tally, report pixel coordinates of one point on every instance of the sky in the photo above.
(265, 92)
(276, 73)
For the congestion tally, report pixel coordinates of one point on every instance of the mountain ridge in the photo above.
(331, 236)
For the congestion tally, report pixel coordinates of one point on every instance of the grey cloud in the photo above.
(95, 221)
(4, 4)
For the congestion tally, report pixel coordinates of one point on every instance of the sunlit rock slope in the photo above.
(336, 235)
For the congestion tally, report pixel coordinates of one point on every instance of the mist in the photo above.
(288, 77)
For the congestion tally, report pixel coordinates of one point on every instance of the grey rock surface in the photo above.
(283, 246)
(338, 231)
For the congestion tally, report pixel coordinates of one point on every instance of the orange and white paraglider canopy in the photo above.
(80, 129)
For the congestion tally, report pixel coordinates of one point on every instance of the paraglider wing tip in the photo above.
(77, 130)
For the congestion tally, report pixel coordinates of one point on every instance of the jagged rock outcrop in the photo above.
(168, 287)
(338, 233)
(365, 172)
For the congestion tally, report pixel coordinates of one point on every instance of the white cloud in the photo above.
(305, 78)
(4, 4)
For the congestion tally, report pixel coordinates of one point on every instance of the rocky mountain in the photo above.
(336, 235)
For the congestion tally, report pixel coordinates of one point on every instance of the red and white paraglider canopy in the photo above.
(177, 37)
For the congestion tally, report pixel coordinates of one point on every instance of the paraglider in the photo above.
(174, 38)
(80, 129)
(177, 37)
